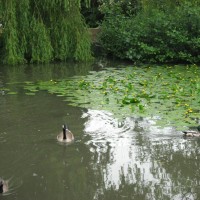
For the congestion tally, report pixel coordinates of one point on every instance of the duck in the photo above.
(192, 133)
(66, 135)
(3, 186)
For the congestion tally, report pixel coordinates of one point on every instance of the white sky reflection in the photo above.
(106, 132)
(126, 151)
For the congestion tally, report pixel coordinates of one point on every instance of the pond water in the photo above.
(129, 159)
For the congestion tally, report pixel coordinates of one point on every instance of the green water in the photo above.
(129, 159)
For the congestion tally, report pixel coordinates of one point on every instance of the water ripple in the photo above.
(133, 150)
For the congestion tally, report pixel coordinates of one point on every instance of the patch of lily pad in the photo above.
(171, 94)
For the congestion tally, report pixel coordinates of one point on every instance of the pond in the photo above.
(126, 152)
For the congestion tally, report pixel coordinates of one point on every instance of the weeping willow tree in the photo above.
(43, 31)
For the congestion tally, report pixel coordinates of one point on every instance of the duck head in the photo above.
(64, 132)
(198, 128)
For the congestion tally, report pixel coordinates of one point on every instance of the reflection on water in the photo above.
(140, 156)
(44, 72)
(129, 159)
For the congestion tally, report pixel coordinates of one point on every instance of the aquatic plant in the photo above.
(169, 94)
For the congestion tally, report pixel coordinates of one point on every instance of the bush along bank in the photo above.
(155, 36)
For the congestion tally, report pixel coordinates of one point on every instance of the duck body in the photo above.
(192, 133)
(66, 136)
(3, 186)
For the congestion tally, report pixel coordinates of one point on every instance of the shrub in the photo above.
(154, 36)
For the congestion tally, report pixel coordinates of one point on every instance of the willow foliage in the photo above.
(41, 31)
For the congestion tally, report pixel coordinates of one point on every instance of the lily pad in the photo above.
(170, 92)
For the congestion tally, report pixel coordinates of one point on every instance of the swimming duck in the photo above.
(66, 135)
(3, 186)
(192, 133)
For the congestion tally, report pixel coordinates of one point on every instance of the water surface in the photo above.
(129, 159)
